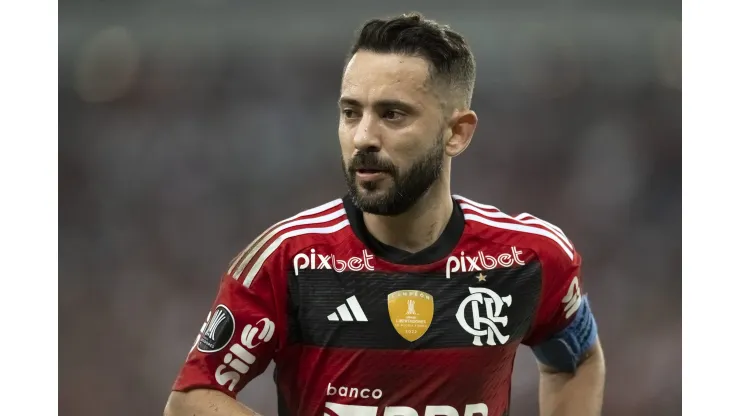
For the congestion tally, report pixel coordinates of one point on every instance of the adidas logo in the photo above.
(343, 312)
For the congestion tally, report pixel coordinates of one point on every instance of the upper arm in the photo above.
(593, 353)
(241, 333)
(565, 330)
(203, 402)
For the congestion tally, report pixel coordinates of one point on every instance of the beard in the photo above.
(406, 188)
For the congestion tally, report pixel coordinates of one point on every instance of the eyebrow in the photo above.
(388, 103)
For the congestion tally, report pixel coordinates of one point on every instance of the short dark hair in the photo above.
(451, 61)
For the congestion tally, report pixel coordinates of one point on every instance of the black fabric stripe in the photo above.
(314, 294)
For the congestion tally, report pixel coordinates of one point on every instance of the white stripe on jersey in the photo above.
(275, 244)
(477, 204)
(523, 228)
(266, 236)
(534, 220)
(499, 214)
(550, 231)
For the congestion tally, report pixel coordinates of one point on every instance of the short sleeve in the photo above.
(240, 336)
(561, 295)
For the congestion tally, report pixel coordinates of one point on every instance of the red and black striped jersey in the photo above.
(356, 327)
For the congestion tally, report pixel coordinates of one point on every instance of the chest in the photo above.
(446, 307)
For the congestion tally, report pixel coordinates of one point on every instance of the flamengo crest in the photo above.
(479, 315)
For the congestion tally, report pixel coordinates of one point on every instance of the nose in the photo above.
(367, 136)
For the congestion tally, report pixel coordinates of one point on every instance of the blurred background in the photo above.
(189, 126)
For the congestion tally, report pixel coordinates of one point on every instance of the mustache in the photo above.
(370, 161)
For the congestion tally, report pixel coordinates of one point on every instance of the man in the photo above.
(399, 299)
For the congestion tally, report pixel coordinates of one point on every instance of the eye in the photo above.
(392, 115)
(349, 113)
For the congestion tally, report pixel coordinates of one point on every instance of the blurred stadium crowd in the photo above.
(188, 127)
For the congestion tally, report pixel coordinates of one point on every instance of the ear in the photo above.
(462, 126)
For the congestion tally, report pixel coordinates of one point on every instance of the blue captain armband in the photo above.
(564, 350)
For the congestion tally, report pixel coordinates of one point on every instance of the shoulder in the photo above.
(312, 226)
(547, 240)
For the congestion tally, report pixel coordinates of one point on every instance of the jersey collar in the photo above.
(440, 249)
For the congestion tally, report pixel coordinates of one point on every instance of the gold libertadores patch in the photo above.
(411, 312)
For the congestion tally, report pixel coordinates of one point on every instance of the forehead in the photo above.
(371, 76)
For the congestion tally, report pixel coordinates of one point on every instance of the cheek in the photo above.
(346, 144)
(407, 148)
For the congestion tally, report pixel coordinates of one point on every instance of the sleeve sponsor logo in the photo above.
(237, 361)
(572, 299)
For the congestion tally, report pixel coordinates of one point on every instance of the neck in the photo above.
(420, 226)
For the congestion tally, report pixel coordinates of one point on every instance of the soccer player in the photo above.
(399, 299)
